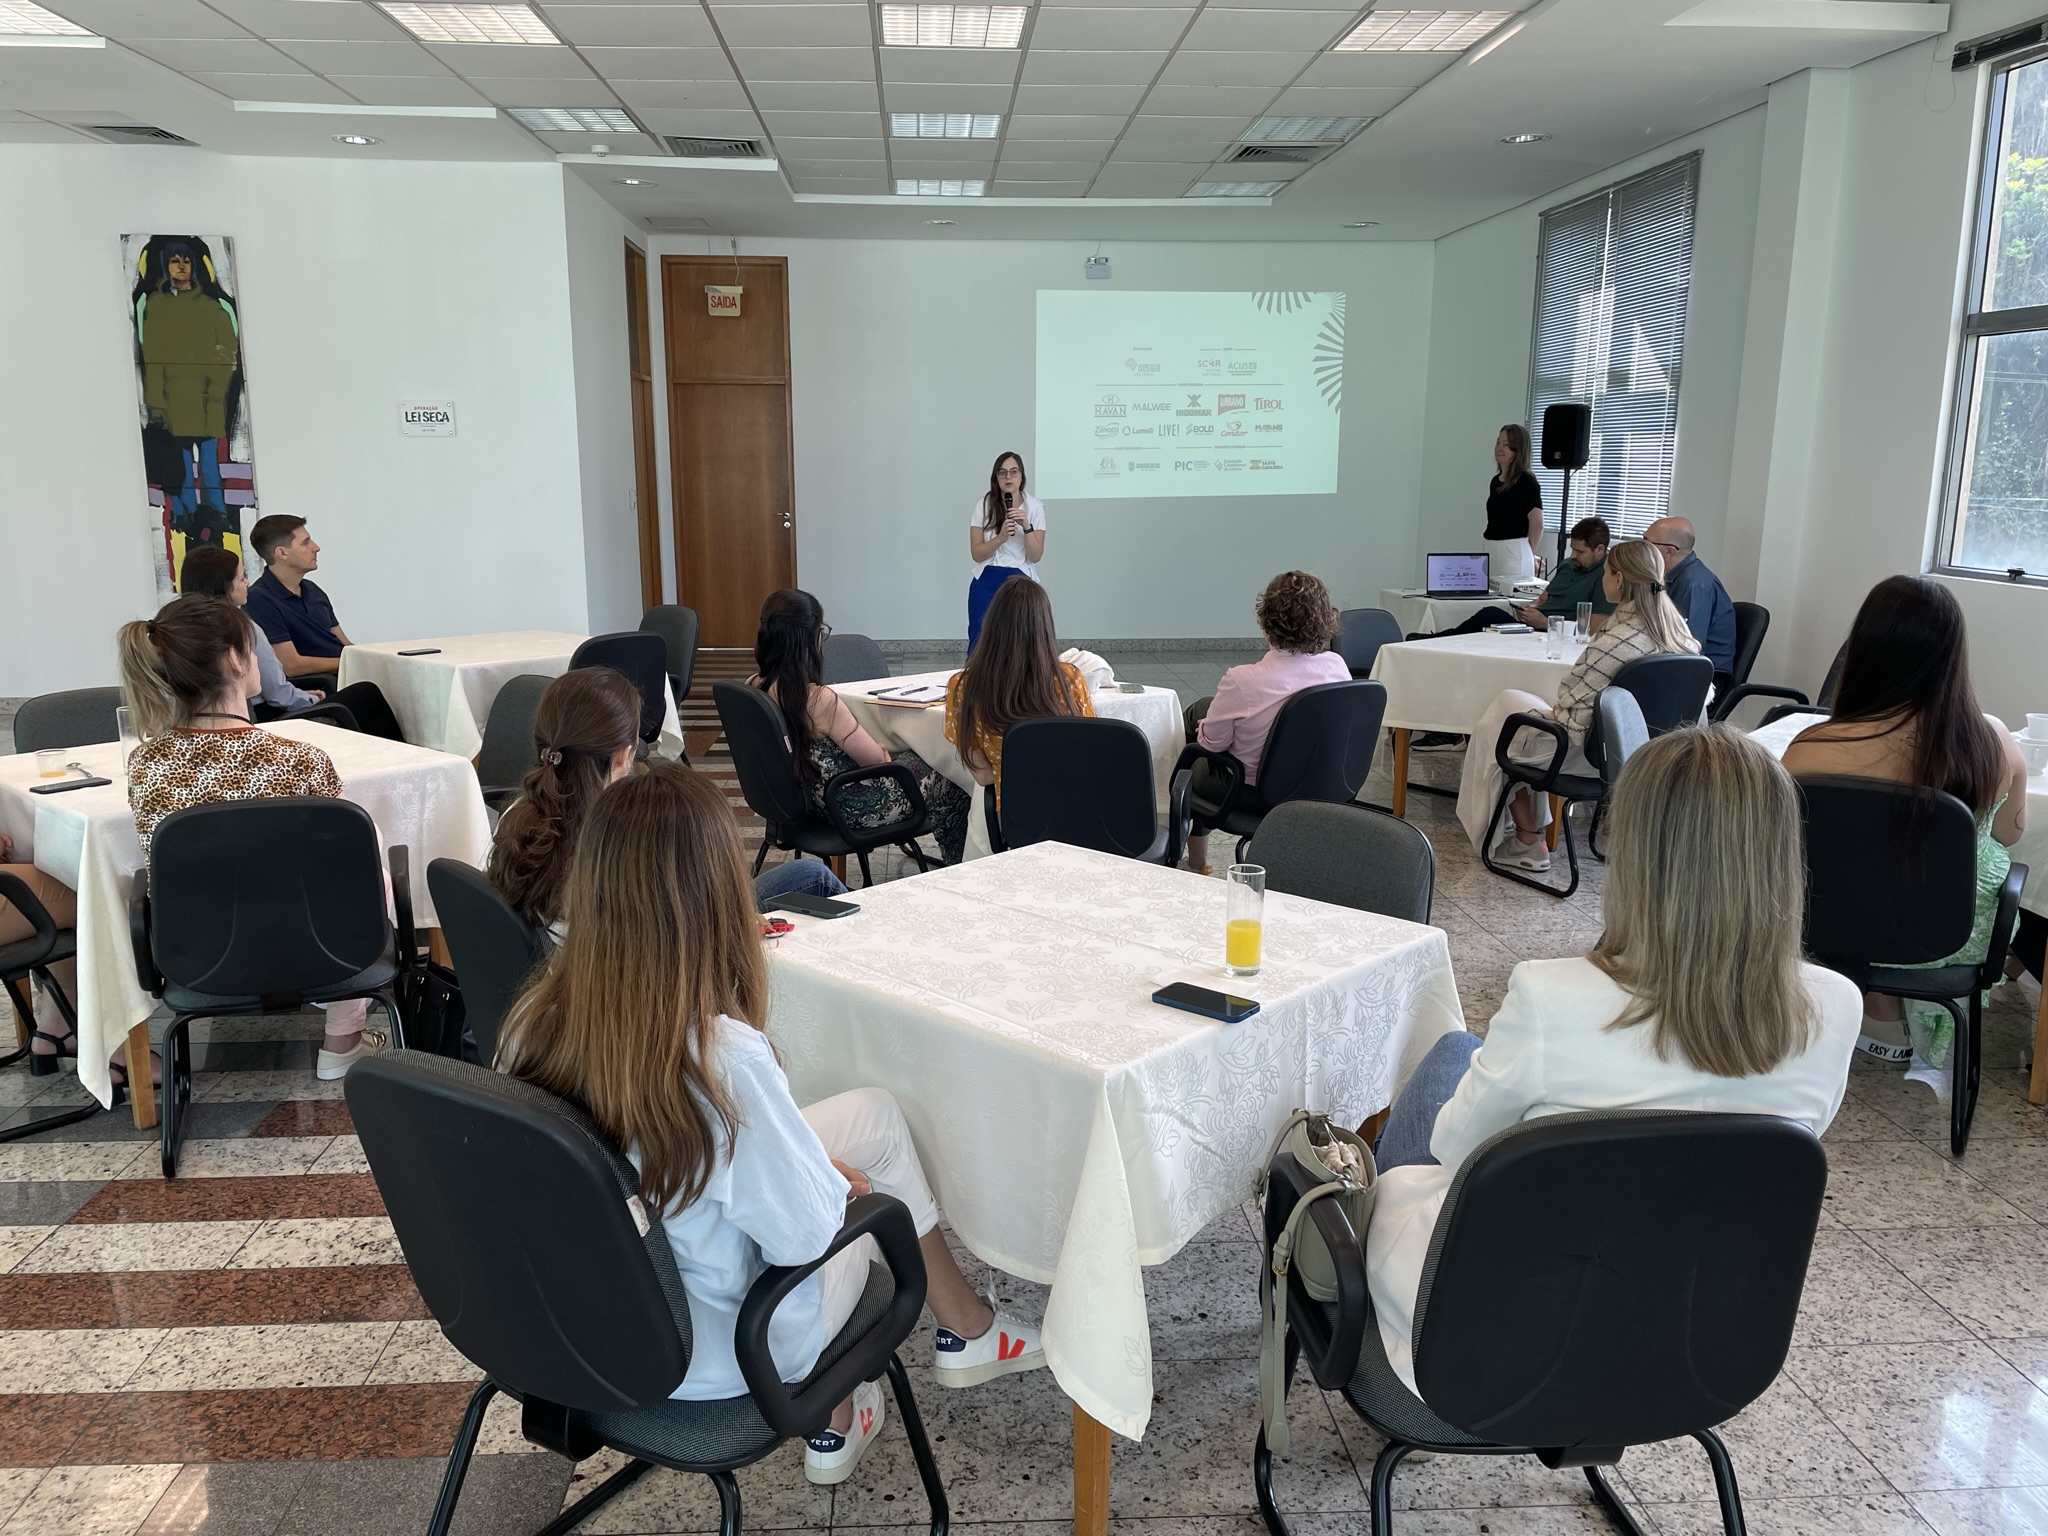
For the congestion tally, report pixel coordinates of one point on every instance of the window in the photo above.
(1612, 275)
(1995, 502)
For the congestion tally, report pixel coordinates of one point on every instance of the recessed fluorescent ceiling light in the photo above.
(1234, 188)
(945, 125)
(907, 187)
(1525, 138)
(952, 26)
(574, 119)
(432, 23)
(358, 139)
(1303, 128)
(1420, 31)
(23, 18)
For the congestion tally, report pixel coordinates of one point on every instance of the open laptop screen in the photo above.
(1455, 573)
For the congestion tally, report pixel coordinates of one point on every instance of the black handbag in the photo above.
(437, 1015)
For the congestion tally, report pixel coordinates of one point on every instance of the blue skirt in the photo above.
(980, 592)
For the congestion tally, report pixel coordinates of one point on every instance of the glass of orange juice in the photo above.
(1244, 921)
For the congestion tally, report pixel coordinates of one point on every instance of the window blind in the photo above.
(1613, 273)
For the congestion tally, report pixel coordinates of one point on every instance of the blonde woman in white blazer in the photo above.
(1694, 998)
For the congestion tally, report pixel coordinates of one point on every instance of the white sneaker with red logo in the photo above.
(829, 1455)
(1007, 1347)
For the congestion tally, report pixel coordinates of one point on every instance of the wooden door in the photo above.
(640, 372)
(730, 457)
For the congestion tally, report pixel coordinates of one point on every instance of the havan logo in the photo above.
(1109, 405)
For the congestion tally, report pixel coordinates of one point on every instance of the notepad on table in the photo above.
(917, 696)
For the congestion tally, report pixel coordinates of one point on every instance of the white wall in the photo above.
(361, 285)
(597, 235)
(913, 368)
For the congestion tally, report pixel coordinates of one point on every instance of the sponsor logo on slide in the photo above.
(1139, 465)
(1233, 429)
(1264, 403)
(1108, 405)
(1269, 426)
(1193, 464)
(1141, 370)
(1195, 401)
(1230, 464)
(1150, 407)
(1169, 429)
(1106, 465)
(1110, 430)
(1228, 403)
(1244, 369)
(1199, 429)
(1209, 365)
(1265, 464)
(1139, 431)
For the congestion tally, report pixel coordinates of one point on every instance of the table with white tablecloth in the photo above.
(1073, 1129)
(442, 700)
(1446, 684)
(425, 801)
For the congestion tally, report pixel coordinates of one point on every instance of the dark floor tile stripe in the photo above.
(268, 1198)
(39, 1429)
(353, 1293)
(307, 1117)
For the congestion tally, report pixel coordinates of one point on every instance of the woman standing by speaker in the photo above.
(1006, 536)
(1514, 511)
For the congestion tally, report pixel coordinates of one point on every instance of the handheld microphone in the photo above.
(1009, 501)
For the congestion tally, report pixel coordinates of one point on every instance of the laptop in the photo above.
(1455, 575)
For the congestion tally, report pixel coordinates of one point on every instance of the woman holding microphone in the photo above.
(1006, 536)
(1514, 512)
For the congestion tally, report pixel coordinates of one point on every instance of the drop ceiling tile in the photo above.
(1055, 129)
(548, 93)
(1409, 69)
(951, 66)
(933, 157)
(815, 96)
(839, 64)
(367, 58)
(219, 55)
(825, 125)
(795, 26)
(866, 170)
(1060, 150)
(1339, 100)
(1145, 180)
(1213, 100)
(1302, 31)
(1350, 6)
(1204, 67)
(615, 143)
(695, 95)
(659, 63)
(1110, 27)
(704, 124)
(795, 147)
(1045, 170)
(1153, 123)
(504, 61)
(279, 19)
(411, 91)
(908, 96)
(841, 186)
(33, 131)
(1169, 151)
(159, 19)
(632, 26)
(1092, 67)
(1078, 100)
(299, 87)
(1012, 187)
(1048, 6)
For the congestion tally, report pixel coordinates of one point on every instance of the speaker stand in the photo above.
(1564, 522)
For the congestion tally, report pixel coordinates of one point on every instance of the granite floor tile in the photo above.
(67, 1162)
(343, 1155)
(500, 1495)
(773, 1496)
(1204, 1302)
(204, 1298)
(201, 1121)
(1873, 1184)
(268, 1026)
(1854, 1296)
(1871, 1514)
(45, 1204)
(419, 1351)
(1993, 1279)
(1783, 1446)
(368, 1423)
(73, 1359)
(304, 1243)
(252, 1056)
(306, 1117)
(1860, 1120)
(2028, 1356)
(138, 1245)
(16, 1484)
(2013, 1169)
(16, 1243)
(271, 1156)
(237, 1499)
(1985, 1511)
(236, 1356)
(265, 1087)
(305, 1197)
(90, 1501)
(38, 1429)
(2003, 1113)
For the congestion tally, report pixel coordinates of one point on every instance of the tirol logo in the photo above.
(1264, 403)
(1196, 464)
(1228, 403)
(1109, 405)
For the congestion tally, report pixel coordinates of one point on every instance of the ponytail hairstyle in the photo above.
(1643, 598)
(789, 661)
(174, 665)
(992, 509)
(584, 718)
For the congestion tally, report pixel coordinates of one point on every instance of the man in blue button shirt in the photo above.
(1697, 593)
(293, 613)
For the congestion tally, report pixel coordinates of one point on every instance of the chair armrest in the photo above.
(1773, 716)
(15, 891)
(401, 905)
(2003, 919)
(803, 1408)
(1231, 770)
(334, 714)
(1330, 1335)
(993, 819)
(837, 786)
(1520, 771)
(1177, 816)
(138, 934)
(1725, 705)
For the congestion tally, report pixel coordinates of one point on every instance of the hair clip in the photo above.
(152, 627)
(552, 756)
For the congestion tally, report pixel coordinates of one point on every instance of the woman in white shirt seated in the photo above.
(1644, 623)
(650, 1017)
(1694, 998)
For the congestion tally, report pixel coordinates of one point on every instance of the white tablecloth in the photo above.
(426, 801)
(442, 701)
(2032, 848)
(1445, 685)
(1073, 1129)
(1420, 614)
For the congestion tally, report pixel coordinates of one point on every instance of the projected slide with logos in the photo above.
(1188, 394)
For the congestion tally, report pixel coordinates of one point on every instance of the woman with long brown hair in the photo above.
(1905, 711)
(1016, 674)
(1514, 511)
(1006, 536)
(650, 1017)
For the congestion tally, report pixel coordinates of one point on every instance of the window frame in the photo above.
(1974, 325)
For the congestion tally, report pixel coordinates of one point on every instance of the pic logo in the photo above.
(1224, 404)
(1190, 464)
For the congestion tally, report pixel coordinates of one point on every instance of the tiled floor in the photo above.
(241, 1351)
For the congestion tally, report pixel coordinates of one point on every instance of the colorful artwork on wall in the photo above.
(196, 449)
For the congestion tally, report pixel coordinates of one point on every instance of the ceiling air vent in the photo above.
(131, 133)
(1278, 154)
(714, 149)
(677, 226)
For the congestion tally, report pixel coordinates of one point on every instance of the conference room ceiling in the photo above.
(1106, 114)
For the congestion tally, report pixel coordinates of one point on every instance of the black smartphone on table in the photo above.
(810, 906)
(59, 786)
(1221, 1006)
(425, 650)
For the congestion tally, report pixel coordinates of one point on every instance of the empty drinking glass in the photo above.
(1553, 640)
(124, 728)
(50, 762)
(1583, 630)
(1244, 922)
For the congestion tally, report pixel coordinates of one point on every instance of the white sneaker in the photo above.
(1007, 1347)
(1890, 1053)
(333, 1065)
(829, 1456)
(1513, 853)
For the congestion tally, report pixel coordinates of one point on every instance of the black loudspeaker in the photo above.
(1567, 435)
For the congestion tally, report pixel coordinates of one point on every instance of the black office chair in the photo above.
(78, 717)
(1671, 690)
(494, 950)
(1361, 633)
(1891, 883)
(1622, 730)
(523, 1228)
(1348, 855)
(644, 660)
(1752, 623)
(1823, 703)
(1320, 748)
(509, 750)
(678, 629)
(259, 906)
(33, 956)
(1086, 781)
(768, 779)
(853, 659)
(1596, 1282)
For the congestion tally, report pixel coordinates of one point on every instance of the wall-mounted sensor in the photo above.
(1096, 268)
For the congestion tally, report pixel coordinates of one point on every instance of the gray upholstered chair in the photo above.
(79, 717)
(1348, 855)
(853, 659)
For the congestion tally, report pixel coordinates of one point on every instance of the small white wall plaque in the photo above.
(427, 418)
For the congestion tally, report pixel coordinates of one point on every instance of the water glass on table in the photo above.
(1553, 640)
(50, 762)
(124, 730)
(1582, 631)
(1244, 918)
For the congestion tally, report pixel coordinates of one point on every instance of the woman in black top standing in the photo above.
(1514, 511)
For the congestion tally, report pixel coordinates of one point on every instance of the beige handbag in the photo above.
(1343, 1164)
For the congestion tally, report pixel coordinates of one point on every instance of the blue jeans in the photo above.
(979, 594)
(806, 877)
(1404, 1142)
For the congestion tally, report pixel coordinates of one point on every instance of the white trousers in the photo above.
(864, 1129)
(1509, 561)
(1480, 784)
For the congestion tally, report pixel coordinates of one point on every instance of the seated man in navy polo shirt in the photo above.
(292, 612)
(1697, 594)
